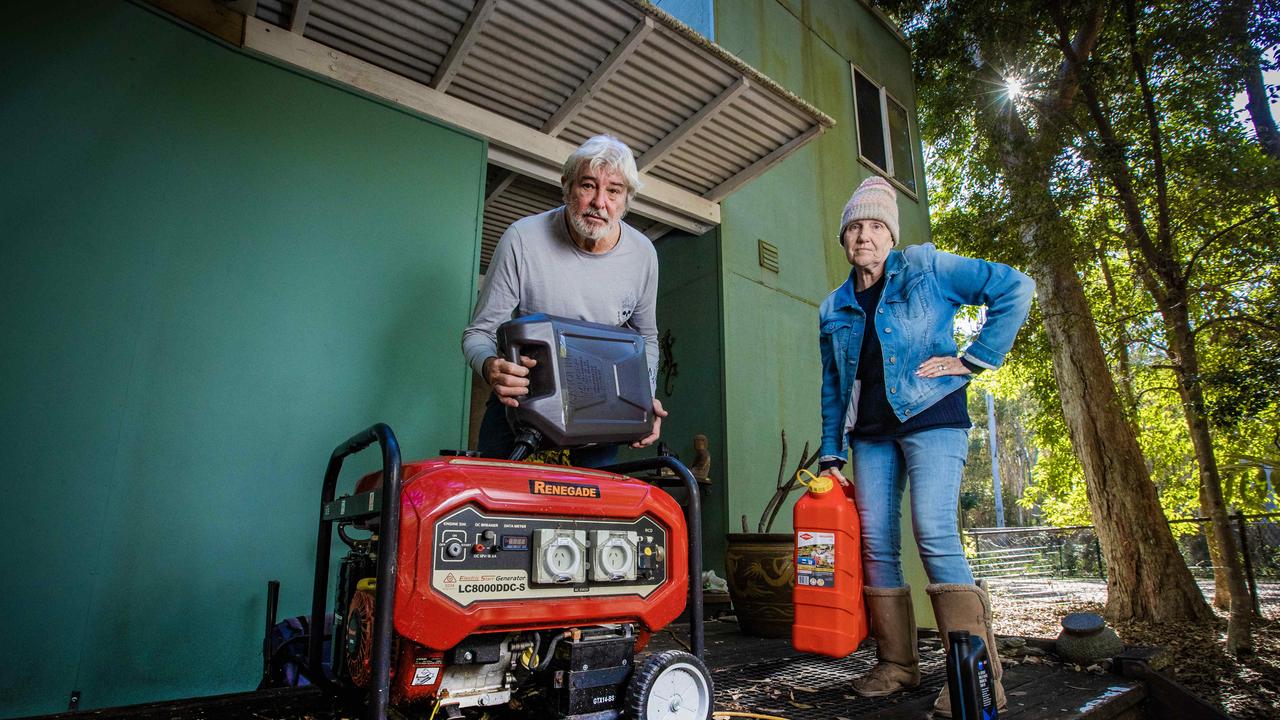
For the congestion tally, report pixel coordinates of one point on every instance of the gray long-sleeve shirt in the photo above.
(537, 268)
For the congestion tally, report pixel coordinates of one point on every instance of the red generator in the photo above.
(516, 589)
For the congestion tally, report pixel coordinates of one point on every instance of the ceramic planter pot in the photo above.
(762, 574)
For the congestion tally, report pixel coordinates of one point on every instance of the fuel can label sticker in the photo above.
(815, 558)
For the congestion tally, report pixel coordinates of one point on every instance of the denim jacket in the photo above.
(924, 288)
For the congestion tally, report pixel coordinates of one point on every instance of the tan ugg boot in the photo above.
(964, 607)
(893, 625)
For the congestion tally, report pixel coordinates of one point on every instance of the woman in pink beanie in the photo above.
(893, 398)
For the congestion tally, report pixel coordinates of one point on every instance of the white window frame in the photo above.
(887, 173)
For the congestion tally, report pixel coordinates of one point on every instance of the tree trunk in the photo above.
(1235, 19)
(1146, 576)
(1227, 566)
(1221, 590)
(1122, 338)
(1027, 466)
(1264, 124)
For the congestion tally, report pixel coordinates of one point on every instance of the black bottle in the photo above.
(970, 677)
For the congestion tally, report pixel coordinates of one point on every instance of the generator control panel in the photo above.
(480, 557)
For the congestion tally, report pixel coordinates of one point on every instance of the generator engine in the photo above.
(490, 584)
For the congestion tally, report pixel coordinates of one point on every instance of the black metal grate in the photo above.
(815, 688)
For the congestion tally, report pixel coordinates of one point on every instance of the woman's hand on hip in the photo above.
(835, 474)
(942, 365)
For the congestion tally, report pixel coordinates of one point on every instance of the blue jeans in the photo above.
(934, 461)
(497, 439)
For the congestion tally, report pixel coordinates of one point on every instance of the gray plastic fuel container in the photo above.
(590, 384)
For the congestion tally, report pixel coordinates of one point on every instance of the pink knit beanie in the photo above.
(875, 199)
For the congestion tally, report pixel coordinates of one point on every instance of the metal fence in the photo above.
(1073, 552)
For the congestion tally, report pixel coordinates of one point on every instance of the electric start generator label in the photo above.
(465, 588)
(815, 558)
(564, 489)
(487, 586)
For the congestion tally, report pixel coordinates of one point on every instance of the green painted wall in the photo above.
(689, 309)
(770, 319)
(212, 270)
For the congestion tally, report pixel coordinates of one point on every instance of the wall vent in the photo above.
(768, 255)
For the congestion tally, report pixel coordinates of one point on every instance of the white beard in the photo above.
(590, 233)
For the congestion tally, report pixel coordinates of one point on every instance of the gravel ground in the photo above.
(1245, 687)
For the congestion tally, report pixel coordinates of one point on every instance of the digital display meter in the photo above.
(515, 542)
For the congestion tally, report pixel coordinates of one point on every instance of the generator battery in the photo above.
(592, 670)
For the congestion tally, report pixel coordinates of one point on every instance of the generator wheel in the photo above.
(671, 685)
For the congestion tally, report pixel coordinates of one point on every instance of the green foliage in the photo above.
(1205, 193)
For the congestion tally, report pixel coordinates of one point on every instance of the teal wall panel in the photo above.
(775, 375)
(689, 310)
(807, 46)
(212, 270)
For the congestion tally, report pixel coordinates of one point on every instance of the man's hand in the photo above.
(651, 438)
(508, 380)
(835, 474)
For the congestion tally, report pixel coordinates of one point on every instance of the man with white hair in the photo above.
(577, 261)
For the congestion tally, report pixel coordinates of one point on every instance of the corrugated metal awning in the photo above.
(536, 78)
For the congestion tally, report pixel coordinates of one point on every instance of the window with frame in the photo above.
(884, 131)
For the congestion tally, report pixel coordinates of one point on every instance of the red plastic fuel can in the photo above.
(831, 617)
